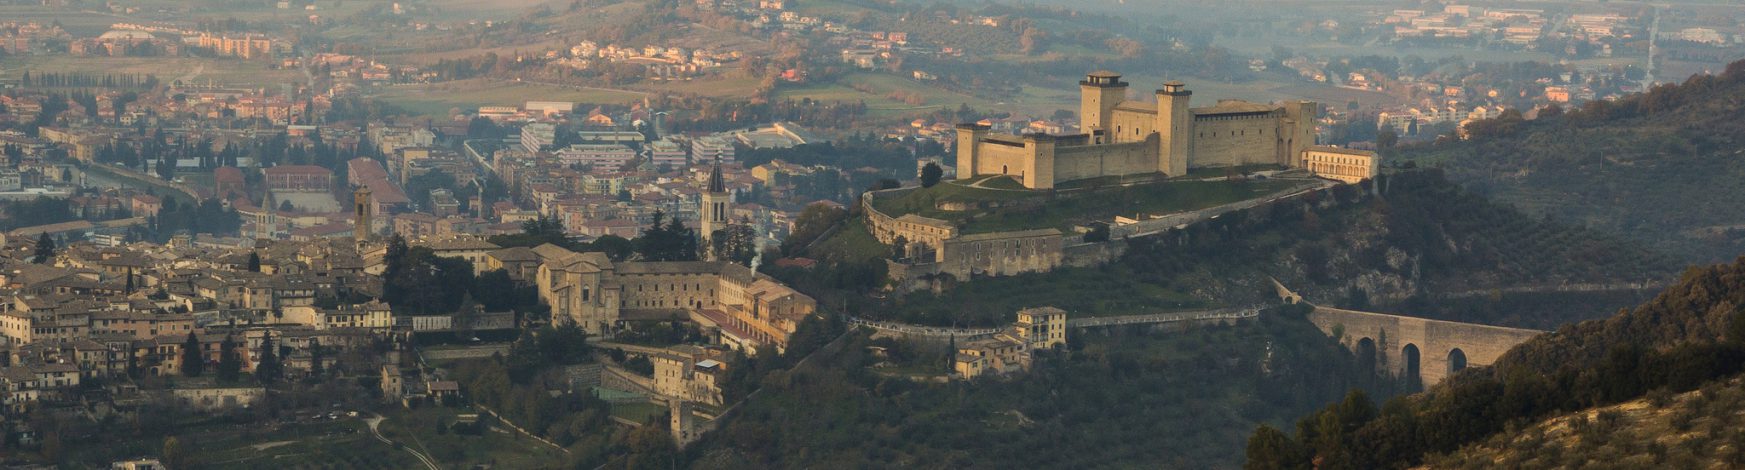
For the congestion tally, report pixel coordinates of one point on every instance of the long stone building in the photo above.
(1119, 136)
(742, 308)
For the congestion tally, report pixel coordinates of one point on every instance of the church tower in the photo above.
(361, 228)
(716, 204)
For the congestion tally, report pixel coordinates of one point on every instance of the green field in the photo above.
(220, 71)
(711, 87)
(833, 9)
(438, 99)
(641, 412)
(301, 444)
(882, 94)
(496, 447)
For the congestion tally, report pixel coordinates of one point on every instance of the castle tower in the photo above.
(683, 422)
(361, 228)
(1297, 132)
(717, 202)
(1099, 93)
(968, 134)
(1175, 128)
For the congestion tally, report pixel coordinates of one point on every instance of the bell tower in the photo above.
(716, 204)
(361, 228)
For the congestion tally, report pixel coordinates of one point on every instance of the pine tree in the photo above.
(931, 174)
(254, 262)
(193, 361)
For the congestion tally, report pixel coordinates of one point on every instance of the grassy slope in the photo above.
(1070, 208)
(1697, 429)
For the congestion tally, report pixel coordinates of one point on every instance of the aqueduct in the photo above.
(1407, 346)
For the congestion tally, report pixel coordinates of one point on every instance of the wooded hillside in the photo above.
(1664, 167)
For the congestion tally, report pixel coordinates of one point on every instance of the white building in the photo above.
(666, 152)
(538, 135)
(707, 149)
(597, 155)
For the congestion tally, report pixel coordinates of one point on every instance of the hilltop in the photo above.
(1663, 167)
(1402, 245)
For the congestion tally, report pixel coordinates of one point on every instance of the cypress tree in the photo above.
(269, 368)
(45, 249)
(193, 362)
(229, 362)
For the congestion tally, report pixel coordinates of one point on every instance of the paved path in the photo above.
(1081, 322)
(1167, 317)
(188, 79)
(470, 352)
(1164, 223)
(922, 330)
(376, 420)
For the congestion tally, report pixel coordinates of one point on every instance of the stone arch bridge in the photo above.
(1430, 350)
(1407, 346)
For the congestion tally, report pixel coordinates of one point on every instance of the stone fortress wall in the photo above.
(1124, 137)
(988, 254)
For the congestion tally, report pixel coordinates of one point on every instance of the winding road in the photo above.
(376, 420)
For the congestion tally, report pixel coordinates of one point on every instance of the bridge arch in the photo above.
(1456, 360)
(1410, 357)
(1366, 356)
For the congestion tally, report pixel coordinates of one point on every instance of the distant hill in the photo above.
(1692, 334)
(1666, 167)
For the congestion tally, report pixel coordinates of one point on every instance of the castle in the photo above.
(1120, 137)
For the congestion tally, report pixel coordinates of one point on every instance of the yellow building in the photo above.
(1042, 327)
(247, 46)
(1012, 349)
(747, 309)
(1345, 165)
(1001, 354)
(690, 373)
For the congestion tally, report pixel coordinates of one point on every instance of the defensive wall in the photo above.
(1222, 316)
(982, 254)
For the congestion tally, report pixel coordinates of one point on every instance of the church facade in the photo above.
(1120, 137)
